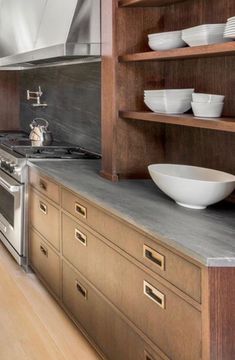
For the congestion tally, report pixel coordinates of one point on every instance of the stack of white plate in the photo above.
(207, 105)
(204, 34)
(229, 31)
(166, 40)
(172, 101)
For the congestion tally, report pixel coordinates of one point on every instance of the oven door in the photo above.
(12, 211)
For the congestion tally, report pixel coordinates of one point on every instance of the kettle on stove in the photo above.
(39, 134)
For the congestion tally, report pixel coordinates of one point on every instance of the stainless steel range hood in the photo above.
(44, 32)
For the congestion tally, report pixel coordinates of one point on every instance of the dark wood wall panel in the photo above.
(9, 100)
(222, 316)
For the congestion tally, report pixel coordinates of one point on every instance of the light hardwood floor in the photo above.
(32, 325)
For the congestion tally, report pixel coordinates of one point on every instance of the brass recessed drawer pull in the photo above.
(43, 250)
(81, 289)
(154, 256)
(43, 207)
(42, 185)
(82, 238)
(154, 294)
(80, 210)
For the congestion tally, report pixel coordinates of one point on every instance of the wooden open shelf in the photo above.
(143, 3)
(220, 124)
(183, 53)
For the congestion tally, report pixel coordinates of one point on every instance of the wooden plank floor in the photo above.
(32, 325)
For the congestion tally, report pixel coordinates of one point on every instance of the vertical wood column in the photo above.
(109, 89)
(218, 340)
(9, 100)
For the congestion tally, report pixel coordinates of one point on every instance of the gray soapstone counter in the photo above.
(207, 236)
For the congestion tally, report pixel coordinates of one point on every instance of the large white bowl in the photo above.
(208, 110)
(190, 186)
(207, 98)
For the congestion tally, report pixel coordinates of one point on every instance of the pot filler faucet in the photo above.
(36, 95)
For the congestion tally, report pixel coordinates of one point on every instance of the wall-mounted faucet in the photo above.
(36, 95)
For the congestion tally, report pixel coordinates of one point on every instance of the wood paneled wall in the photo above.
(9, 100)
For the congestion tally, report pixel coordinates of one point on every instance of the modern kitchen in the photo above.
(117, 180)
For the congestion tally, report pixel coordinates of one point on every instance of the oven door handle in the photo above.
(8, 187)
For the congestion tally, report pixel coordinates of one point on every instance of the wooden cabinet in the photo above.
(45, 218)
(114, 337)
(132, 136)
(45, 261)
(45, 186)
(180, 272)
(131, 289)
(133, 296)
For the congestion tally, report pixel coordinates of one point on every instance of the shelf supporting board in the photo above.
(220, 124)
(146, 3)
(222, 49)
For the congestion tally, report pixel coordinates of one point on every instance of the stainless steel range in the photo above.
(15, 150)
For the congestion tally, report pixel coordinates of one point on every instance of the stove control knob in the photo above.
(17, 170)
(12, 166)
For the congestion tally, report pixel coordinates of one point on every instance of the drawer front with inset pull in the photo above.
(45, 261)
(140, 297)
(45, 218)
(174, 268)
(113, 336)
(45, 186)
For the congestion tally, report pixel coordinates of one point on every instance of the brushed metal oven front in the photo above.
(12, 215)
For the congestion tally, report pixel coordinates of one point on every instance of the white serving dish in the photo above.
(204, 27)
(207, 98)
(208, 110)
(190, 186)
(204, 34)
(166, 44)
(171, 34)
(166, 40)
(205, 39)
(168, 107)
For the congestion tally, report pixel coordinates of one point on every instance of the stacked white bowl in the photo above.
(229, 32)
(171, 101)
(207, 105)
(166, 40)
(204, 34)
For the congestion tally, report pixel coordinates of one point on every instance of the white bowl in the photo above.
(168, 97)
(166, 40)
(168, 107)
(166, 44)
(192, 186)
(207, 98)
(166, 92)
(208, 110)
(175, 34)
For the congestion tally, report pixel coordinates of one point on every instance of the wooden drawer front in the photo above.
(45, 186)
(180, 272)
(113, 336)
(76, 206)
(162, 315)
(45, 218)
(45, 261)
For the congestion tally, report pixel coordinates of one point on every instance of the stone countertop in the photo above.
(207, 236)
